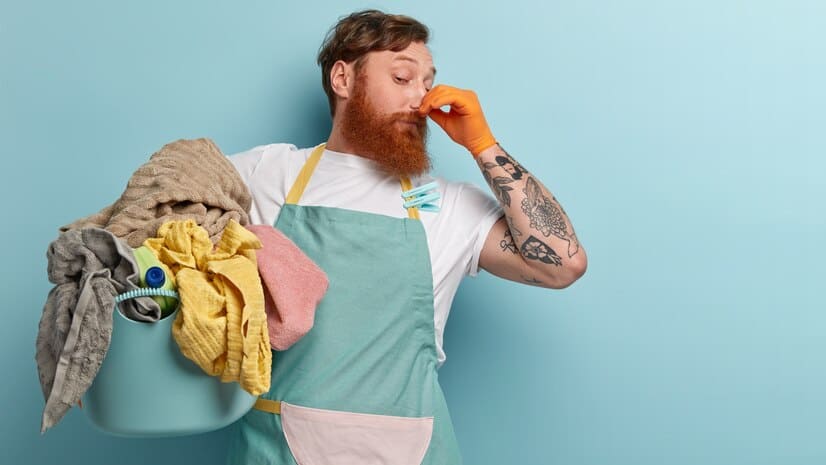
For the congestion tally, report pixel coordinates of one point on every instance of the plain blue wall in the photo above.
(686, 140)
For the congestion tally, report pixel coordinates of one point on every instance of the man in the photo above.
(361, 386)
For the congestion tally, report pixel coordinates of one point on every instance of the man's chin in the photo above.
(404, 161)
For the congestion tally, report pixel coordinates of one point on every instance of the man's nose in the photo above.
(419, 92)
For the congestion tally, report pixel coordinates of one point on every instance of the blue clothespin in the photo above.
(421, 198)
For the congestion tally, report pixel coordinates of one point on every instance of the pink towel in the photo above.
(293, 286)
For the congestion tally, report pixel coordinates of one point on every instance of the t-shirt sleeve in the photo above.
(481, 210)
(266, 170)
(246, 162)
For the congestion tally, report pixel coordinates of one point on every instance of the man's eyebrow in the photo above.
(413, 60)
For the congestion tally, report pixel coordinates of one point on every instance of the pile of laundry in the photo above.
(182, 224)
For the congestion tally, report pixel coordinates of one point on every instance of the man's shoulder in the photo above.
(267, 150)
(268, 155)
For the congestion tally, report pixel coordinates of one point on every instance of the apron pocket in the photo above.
(332, 437)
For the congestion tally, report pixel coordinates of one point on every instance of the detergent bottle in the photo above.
(155, 274)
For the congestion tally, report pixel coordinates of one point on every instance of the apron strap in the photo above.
(304, 175)
(307, 171)
(412, 212)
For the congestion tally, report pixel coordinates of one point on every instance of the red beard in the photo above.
(397, 142)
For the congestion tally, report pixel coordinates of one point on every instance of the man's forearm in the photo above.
(539, 227)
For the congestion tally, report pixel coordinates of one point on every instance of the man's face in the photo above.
(399, 80)
(380, 118)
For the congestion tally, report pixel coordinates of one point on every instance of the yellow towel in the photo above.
(222, 325)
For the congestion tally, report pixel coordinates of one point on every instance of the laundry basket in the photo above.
(146, 388)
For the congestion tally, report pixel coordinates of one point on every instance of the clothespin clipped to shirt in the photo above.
(421, 198)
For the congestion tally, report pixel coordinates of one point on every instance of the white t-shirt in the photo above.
(455, 235)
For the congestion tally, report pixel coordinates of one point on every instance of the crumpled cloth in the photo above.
(185, 179)
(293, 284)
(221, 325)
(89, 267)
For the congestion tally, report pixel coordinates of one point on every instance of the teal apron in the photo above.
(362, 386)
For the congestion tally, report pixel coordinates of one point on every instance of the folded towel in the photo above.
(185, 179)
(89, 267)
(221, 325)
(293, 284)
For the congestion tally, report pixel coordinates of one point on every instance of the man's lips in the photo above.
(409, 124)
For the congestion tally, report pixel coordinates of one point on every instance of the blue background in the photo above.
(685, 139)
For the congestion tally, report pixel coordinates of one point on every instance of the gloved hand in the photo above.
(464, 123)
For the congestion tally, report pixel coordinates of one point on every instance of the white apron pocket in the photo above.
(331, 437)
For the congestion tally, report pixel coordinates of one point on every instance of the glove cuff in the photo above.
(481, 145)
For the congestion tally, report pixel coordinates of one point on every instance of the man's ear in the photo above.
(342, 78)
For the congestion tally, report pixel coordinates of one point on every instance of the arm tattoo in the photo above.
(510, 165)
(498, 184)
(534, 249)
(512, 227)
(546, 216)
(507, 243)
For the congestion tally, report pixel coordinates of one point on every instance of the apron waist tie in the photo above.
(266, 405)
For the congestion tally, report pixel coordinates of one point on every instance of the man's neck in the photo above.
(338, 143)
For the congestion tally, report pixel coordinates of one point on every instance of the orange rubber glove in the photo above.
(464, 123)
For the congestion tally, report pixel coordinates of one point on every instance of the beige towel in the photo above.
(185, 179)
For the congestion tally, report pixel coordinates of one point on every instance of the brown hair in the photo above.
(354, 36)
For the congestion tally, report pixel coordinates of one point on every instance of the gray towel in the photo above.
(89, 267)
(185, 179)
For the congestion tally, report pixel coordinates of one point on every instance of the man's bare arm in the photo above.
(535, 242)
(537, 245)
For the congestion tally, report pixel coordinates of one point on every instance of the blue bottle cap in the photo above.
(155, 277)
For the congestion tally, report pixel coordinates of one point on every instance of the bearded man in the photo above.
(362, 387)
